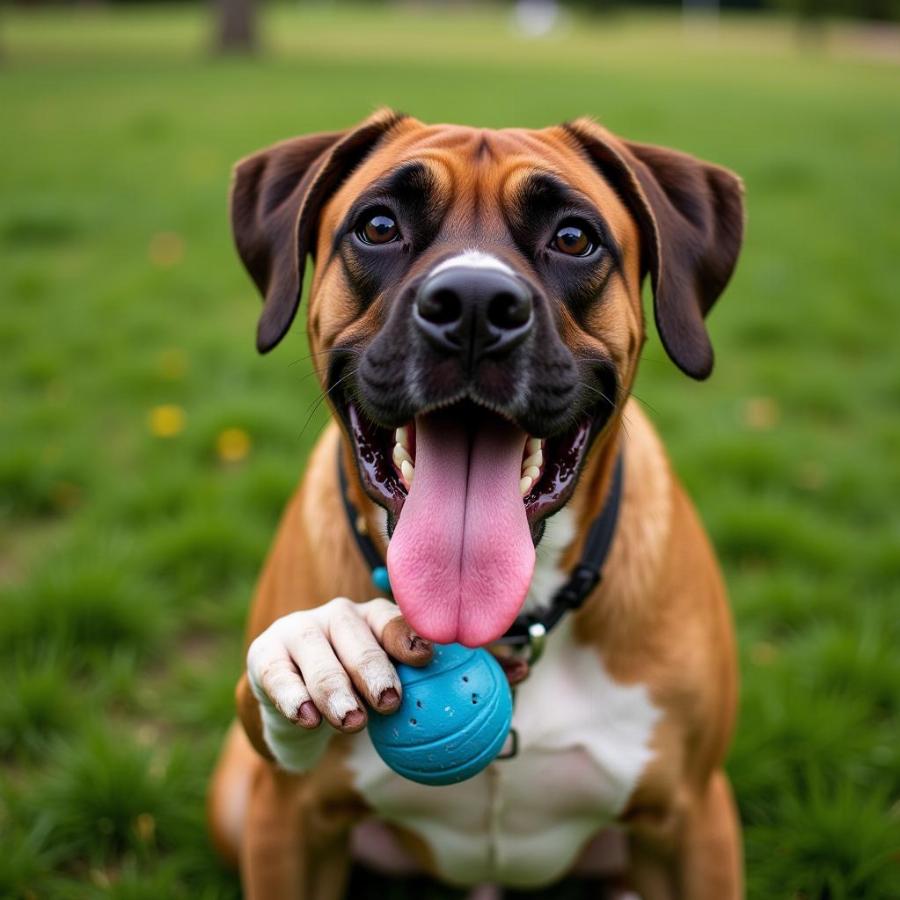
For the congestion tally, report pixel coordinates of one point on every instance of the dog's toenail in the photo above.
(308, 714)
(354, 719)
(388, 698)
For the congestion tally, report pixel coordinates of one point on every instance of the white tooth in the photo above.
(401, 436)
(525, 485)
(536, 459)
(400, 454)
(532, 472)
(533, 445)
(407, 471)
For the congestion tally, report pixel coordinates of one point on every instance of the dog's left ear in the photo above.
(691, 217)
(276, 197)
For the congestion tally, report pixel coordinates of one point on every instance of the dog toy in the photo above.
(453, 720)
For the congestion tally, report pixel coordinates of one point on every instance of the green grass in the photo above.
(127, 559)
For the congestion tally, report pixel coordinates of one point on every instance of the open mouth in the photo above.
(466, 490)
(403, 456)
(547, 471)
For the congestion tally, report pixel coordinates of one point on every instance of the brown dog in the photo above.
(476, 320)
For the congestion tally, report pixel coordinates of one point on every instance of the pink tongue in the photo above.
(461, 557)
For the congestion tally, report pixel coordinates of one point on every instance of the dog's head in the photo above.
(476, 320)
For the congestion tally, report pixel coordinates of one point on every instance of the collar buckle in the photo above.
(537, 641)
(528, 644)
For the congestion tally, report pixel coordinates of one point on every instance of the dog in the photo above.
(475, 320)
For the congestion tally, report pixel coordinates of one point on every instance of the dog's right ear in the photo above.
(277, 195)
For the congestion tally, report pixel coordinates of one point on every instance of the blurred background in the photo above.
(146, 451)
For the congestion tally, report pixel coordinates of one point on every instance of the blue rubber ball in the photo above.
(453, 720)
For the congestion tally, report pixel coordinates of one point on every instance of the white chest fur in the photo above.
(584, 741)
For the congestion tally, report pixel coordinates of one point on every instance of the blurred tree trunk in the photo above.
(236, 30)
(810, 27)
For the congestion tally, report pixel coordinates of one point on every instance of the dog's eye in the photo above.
(573, 240)
(378, 229)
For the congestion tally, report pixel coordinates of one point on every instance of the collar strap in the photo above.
(528, 630)
(359, 531)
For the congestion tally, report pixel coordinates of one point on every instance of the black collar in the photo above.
(529, 630)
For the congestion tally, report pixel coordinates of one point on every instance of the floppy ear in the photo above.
(276, 197)
(691, 218)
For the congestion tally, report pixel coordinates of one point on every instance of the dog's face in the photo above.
(476, 321)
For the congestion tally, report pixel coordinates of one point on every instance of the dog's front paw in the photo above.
(323, 663)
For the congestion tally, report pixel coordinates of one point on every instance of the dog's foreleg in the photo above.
(284, 853)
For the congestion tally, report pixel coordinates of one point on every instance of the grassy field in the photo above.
(146, 451)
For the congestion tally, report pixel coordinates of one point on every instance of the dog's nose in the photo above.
(474, 312)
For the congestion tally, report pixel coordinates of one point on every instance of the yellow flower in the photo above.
(167, 420)
(232, 445)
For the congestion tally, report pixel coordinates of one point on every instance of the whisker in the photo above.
(590, 387)
(318, 401)
(306, 375)
(644, 402)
